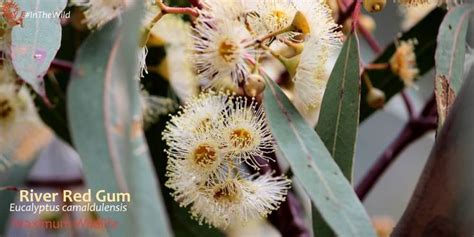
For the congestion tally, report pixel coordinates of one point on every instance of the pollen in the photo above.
(280, 18)
(241, 138)
(228, 50)
(403, 62)
(205, 155)
(228, 192)
(204, 124)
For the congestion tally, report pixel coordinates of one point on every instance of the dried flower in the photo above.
(403, 62)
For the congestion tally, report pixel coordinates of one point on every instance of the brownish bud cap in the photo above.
(374, 5)
(376, 98)
(254, 85)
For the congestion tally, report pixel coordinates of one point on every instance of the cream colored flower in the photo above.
(272, 16)
(246, 132)
(207, 143)
(311, 75)
(16, 110)
(99, 12)
(224, 10)
(403, 62)
(176, 34)
(220, 51)
(200, 114)
(238, 200)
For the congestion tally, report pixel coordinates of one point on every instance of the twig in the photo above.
(355, 14)
(196, 3)
(408, 105)
(177, 10)
(414, 129)
(370, 39)
(62, 64)
(346, 13)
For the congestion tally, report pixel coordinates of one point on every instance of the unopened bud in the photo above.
(374, 5)
(376, 98)
(254, 85)
(300, 23)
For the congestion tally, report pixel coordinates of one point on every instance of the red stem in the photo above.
(374, 45)
(196, 3)
(414, 129)
(62, 64)
(408, 105)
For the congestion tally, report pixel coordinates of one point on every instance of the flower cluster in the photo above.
(209, 141)
(232, 37)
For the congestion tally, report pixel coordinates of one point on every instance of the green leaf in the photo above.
(105, 120)
(425, 32)
(314, 167)
(14, 177)
(339, 117)
(441, 204)
(450, 54)
(451, 48)
(35, 45)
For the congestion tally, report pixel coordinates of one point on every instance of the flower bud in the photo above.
(254, 85)
(300, 23)
(374, 5)
(376, 98)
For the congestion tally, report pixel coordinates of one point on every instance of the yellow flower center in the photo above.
(227, 193)
(205, 155)
(228, 50)
(241, 138)
(280, 18)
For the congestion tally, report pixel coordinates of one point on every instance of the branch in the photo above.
(408, 105)
(177, 10)
(62, 65)
(374, 45)
(196, 3)
(414, 129)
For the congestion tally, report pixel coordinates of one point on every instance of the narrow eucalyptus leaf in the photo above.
(106, 126)
(339, 117)
(314, 167)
